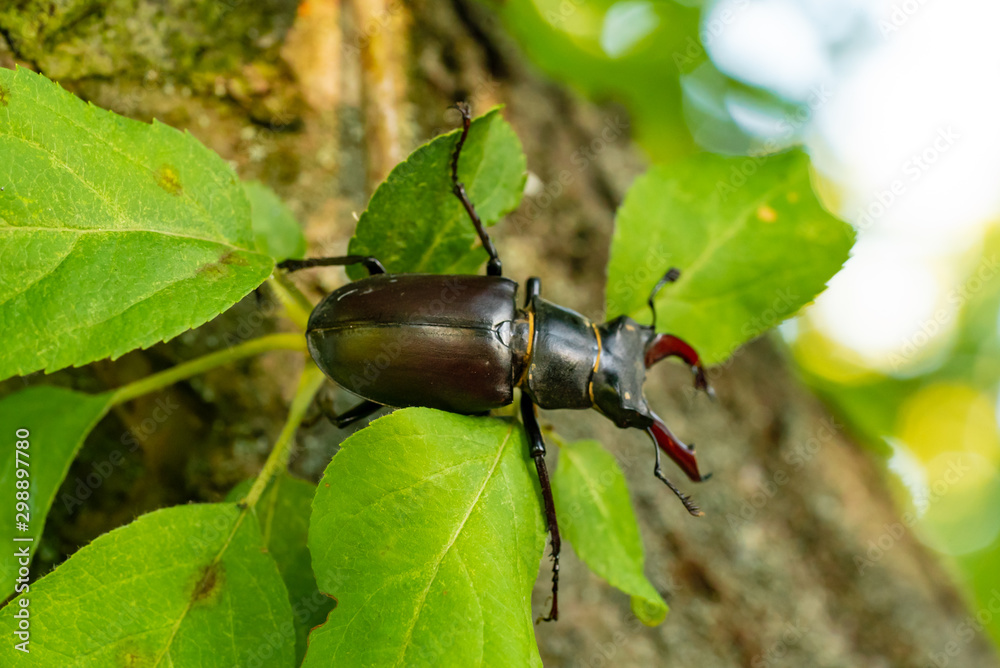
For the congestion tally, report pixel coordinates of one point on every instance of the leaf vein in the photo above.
(447, 548)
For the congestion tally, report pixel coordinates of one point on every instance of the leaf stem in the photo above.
(297, 305)
(309, 383)
(205, 363)
(554, 437)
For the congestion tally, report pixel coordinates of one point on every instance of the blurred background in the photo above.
(896, 103)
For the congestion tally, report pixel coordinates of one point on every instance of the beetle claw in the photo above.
(688, 504)
(701, 381)
(682, 454)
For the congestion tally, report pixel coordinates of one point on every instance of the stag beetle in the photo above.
(468, 358)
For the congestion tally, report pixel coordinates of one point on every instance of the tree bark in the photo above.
(781, 571)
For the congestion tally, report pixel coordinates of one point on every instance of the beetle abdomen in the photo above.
(419, 340)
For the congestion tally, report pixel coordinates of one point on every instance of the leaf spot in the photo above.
(767, 214)
(232, 258)
(131, 660)
(218, 268)
(168, 179)
(209, 584)
(132, 655)
(212, 268)
(4, 96)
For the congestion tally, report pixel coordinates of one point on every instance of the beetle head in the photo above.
(627, 350)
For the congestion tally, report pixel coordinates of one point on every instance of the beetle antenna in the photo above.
(672, 275)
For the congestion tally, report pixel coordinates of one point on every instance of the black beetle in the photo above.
(468, 355)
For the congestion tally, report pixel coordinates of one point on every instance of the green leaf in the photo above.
(428, 529)
(58, 421)
(186, 586)
(414, 223)
(275, 229)
(283, 513)
(114, 234)
(752, 250)
(595, 515)
(581, 45)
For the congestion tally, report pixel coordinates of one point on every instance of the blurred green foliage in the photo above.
(632, 52)
(934, 422)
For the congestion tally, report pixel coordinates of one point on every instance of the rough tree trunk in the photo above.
(769, 578)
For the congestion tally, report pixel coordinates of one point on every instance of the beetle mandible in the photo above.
(468, 355)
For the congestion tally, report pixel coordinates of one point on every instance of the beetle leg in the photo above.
(371, 264)
(350, 416)
(493, 267)
(537, 451)
(685, 499)
(353, 414)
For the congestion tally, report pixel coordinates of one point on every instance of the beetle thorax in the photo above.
(563, 351)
